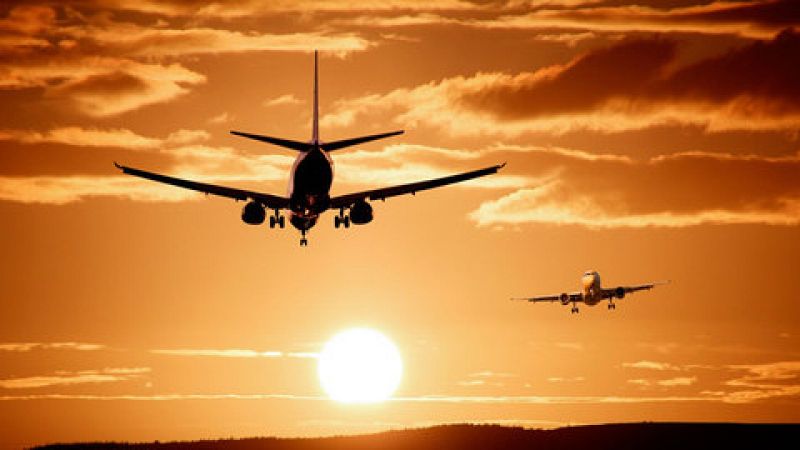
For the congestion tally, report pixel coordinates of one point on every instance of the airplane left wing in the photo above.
(347, 200)
(268, 200)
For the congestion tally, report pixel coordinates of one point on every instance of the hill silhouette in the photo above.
(633, 436)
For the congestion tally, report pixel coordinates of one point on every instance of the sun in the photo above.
(360, 365)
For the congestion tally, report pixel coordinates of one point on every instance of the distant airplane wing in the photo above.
(608, 293)
(573, 297)
(268, 200)
(344, 201)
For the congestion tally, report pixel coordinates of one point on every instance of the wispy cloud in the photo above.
(286, 99)
(64, 378)
(29, 346)
(762, 382)
(234, 353)
(651, 365)
(570, 345)
(677, 381)
(94, 137)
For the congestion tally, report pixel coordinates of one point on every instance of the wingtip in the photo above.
(116, 164)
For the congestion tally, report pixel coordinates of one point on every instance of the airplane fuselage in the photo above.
(592, 291)
(309, 187)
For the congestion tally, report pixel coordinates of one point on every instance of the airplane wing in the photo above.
(344, 201)
(573, 297)
(268, 200)
(608, 293)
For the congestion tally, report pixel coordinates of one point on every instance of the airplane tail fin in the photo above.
(307, 146)
(315, 124)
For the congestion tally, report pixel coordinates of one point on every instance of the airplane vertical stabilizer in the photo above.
(315, 125)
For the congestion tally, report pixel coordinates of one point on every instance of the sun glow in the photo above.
(360, 365)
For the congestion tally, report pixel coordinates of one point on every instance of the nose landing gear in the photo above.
(303, 240)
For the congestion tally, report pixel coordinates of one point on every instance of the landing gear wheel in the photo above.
(346, 221)
(282, 221)
(303, 242)
(272, 221)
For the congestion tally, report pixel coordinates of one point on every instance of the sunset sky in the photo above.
(647, 140)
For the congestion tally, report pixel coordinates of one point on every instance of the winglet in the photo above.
(118, 166)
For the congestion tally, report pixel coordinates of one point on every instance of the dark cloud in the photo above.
(757, 79)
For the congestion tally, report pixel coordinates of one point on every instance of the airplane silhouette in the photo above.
(310, 182)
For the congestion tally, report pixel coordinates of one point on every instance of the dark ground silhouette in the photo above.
(634, 436)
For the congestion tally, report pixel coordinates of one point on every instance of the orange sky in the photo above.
(647, 142)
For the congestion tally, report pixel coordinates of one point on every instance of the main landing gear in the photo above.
(341, 219)
(611, 305)
(277, 219)
(574, 309)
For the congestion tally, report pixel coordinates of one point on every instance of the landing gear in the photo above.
(303, 240)
(341, 219)
(574, 309)
(277, 219)
(611, 305)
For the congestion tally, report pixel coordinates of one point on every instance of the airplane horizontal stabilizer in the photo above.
(336, 145)
(294, 145)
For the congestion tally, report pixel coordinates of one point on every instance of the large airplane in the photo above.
(592, 293)
(310, 182)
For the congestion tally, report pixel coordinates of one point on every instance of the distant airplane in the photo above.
(310, 182)
(592, 293)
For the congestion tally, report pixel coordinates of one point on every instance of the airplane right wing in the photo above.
(573, 297)
(347, 200)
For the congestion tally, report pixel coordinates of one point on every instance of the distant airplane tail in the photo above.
(315, 142)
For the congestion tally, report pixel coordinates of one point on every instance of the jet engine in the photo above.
(564, 298)
(619, 292)
(253, 214)
(361, 213)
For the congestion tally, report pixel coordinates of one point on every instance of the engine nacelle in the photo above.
(619, 292)
(253, 214)
(361, 213)
(564, 298)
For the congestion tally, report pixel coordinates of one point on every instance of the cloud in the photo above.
(751, 19)
(234, 353)
(677, 381)
(65, 378)
(746, 189)
(565, 379)
(29, 346)
(93, 137)
(245, 8)
(161, 397)
(577, 346)
(220, 118)
(102, 67)
(443, 399)
(286, 99)
(762, 382)
(651, 365)
(748, 88)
